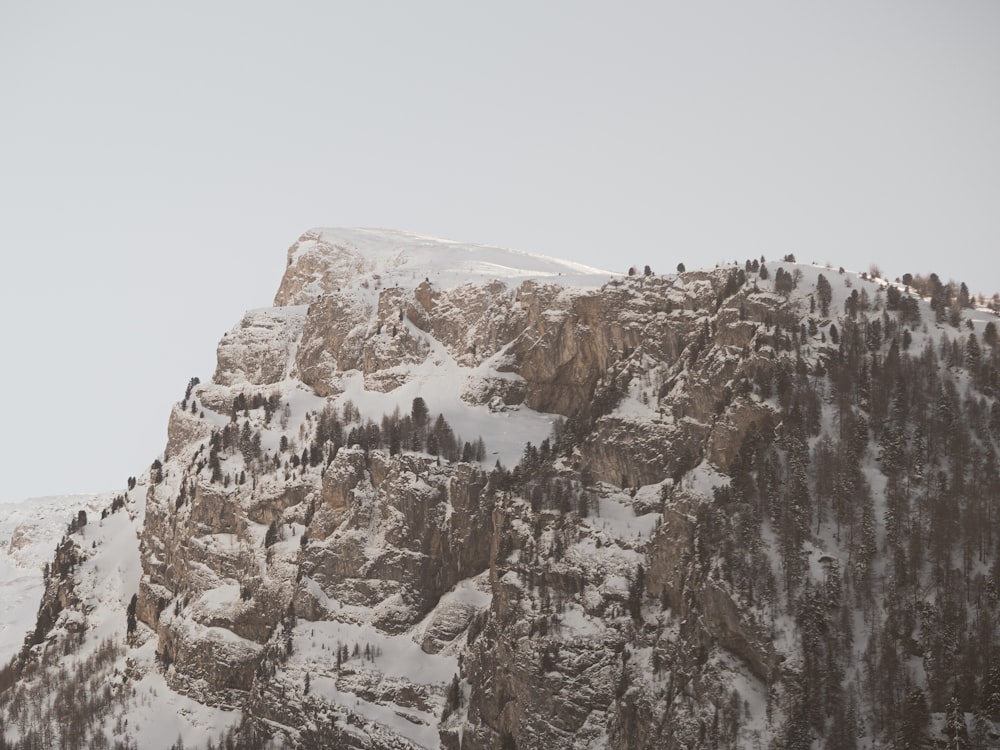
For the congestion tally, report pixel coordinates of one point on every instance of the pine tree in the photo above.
(130, 619)
(972, 356)
(271, 536)
(156, 472)
(419, 413)
(914, 720)
(954, 727)
(990, 336)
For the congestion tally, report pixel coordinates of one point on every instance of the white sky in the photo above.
(156, 162)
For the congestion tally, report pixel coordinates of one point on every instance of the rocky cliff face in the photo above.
(375, 538)
(584, 566)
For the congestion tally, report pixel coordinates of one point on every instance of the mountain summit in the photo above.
(452, 496)
(325, 260)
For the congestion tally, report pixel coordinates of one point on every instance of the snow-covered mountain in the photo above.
(29, 533)
(445, 495)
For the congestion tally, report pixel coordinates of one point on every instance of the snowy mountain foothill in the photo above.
(29, 532)
(444, 495)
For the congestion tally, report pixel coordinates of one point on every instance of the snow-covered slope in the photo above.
(85, 648)
(29, 532)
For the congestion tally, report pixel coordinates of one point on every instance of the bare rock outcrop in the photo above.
(258, 350)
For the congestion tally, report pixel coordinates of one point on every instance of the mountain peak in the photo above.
(323, 260)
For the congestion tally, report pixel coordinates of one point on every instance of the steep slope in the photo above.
(444, 495)
(29, 531)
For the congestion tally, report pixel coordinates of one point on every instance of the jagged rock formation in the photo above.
(660, 565)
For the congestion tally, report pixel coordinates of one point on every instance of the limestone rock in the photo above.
(258, 350)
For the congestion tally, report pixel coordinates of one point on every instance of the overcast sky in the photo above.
(156, 163)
